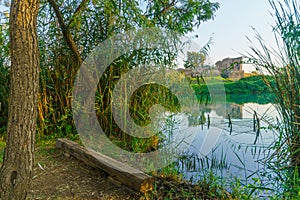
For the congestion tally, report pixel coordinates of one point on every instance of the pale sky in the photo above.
(232, 24)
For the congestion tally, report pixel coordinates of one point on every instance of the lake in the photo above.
(226, 141)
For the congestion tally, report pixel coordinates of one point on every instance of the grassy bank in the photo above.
(248, 89)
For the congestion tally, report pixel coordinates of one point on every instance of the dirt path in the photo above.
(59, 177)
(65, 178)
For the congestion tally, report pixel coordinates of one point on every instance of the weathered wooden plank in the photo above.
(121, 172)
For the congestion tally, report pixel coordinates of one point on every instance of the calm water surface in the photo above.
(239, 152)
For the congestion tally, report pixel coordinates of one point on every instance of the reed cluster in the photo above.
(283, 64)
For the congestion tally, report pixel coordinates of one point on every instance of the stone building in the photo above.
(231, 68)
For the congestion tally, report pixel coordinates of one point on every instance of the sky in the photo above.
(232, 23)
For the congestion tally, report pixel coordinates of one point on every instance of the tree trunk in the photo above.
(17, 165)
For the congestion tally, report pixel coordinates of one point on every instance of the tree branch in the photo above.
(66, 32)
(168, 7)
(165, 9)
(78, 10)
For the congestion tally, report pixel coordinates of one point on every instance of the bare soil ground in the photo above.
(59, 177)
(64, 178)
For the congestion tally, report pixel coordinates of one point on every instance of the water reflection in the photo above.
(234, 154)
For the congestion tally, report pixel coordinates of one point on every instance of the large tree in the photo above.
(69, 30)
(18, 160)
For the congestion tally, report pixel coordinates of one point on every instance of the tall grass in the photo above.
(283, 64)
(139, 104)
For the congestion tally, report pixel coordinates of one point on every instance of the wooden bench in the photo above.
(119, 171)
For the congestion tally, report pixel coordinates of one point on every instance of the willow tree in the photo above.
(18, 160)
(70, 30)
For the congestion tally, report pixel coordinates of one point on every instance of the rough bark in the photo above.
(18, 160)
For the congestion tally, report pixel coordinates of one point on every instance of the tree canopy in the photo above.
(194, 59)
(69, 30)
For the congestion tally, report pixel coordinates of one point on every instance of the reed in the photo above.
(284, 67)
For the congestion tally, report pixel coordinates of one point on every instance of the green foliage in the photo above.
(263, 98)
(194, 59)
(2, 145)
(284, 65)
(197, 59)
(249, 89)
(4, 94)
(89, 23)
(169, 186)
(250, 85)
(4, 75)
(181, 16)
